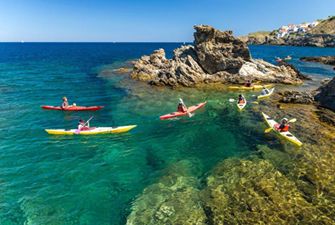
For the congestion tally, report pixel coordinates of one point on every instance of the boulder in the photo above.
(297, 97)
(326, 95)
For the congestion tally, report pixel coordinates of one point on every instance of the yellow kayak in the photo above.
(253, 87)
(266, 95)
(286, 134)
(91, 131)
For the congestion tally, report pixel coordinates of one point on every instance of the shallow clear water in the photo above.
(94, 180)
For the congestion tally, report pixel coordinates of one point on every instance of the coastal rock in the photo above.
(297, 97)
(328, 60)
(326, 116)
(254, 192)
(259, 70)
(326, 95)
(122, 70)
(172, 200)
(219, 50)
(216, 57)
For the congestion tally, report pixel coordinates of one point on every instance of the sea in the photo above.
(47, 179)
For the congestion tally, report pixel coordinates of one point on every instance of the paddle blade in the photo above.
(292, 120)
(231, 100)
(255, 103)
(268, 130)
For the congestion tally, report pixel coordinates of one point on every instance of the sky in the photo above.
(147, 20)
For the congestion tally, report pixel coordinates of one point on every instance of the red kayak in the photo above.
(189, 110)
(73, 108)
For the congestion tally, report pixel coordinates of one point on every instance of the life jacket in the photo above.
(241, 101)
(284, 129)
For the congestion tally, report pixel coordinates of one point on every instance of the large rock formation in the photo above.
(216, 57)
(326, 95)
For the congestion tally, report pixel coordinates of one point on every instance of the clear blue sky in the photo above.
(147, 20)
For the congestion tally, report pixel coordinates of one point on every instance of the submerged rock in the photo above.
(173, 200)
(326, 95)
(254, 192)
(297, 97)
(216, 57)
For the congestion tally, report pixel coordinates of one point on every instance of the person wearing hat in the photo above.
(284, 126)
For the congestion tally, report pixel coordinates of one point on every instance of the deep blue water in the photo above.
(93, 180)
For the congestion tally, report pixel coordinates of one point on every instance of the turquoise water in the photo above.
(94, 180)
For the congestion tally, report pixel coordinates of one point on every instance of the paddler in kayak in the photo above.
(265, 91)
(241, 99)
(181, 106)
(65, 103)
(82, 125)
(248, 83)
(283, 126)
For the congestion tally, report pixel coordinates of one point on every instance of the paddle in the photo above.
(78, 131)
(188, 113)
(270, 128)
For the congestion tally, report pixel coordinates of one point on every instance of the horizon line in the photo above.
(111, 42)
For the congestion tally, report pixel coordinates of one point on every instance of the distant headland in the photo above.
(319, 33)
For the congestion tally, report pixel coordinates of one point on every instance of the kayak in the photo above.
(241, 106)
(286, 134)
(189, 110)
(91, 131)
(73, 108)
(266, 95)
(253, 87)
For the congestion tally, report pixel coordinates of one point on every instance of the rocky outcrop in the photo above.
(326, 95)
(297, 97)
(216, 57)
(219, 51)
(328, 60)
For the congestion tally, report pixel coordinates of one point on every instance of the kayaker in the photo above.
(265, 91)
(248, 83)
(181, 106)
(82, 125)
(284, 126)
(65, 103)
(241, 99)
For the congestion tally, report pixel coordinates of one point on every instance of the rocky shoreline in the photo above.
(327, 60)
(312, 40)
(216, 57)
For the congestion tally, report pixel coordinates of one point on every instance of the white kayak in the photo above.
(266, 95)
(91, 131)
(286, 134)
